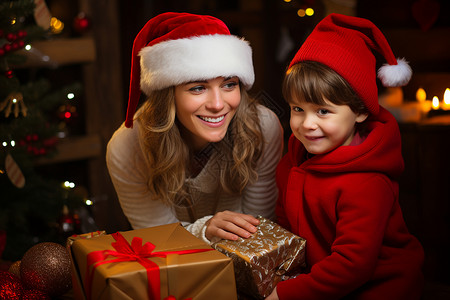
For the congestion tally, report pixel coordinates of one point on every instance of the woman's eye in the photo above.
(197, 88)
(231, 84)
(296, 109)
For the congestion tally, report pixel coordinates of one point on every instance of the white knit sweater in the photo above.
(129, 173)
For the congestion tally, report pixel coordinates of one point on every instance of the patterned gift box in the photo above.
(270, 255)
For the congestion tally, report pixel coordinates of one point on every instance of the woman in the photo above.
(199, 150)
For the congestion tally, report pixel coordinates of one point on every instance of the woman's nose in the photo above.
(215, 100)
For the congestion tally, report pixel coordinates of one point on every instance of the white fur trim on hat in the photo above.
(395, 75)
(203, 57)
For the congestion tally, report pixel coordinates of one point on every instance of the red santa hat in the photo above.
(345, 44)
(175, 48)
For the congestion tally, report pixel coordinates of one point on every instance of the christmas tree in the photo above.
(31, 114)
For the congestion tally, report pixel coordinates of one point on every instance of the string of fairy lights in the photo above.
(305, 11)
(12, 104)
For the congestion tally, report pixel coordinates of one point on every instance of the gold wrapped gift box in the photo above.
(202, 275)
(270, 255)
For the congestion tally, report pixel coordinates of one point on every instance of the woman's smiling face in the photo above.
(206, 108)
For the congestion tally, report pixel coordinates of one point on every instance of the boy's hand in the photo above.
(273, 295)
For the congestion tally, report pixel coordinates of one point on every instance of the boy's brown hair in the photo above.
(314, 82)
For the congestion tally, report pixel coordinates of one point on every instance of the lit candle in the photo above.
(421, 95)
(435, 103)
(423, 103)
(446, 103)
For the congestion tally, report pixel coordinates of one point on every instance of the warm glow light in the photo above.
(309, 12)
(28, 47)
(435, 102)
(13, 143)
(14, 100)
(421, 95)
(301, 12)
(446, 102)
(69, 184)
(88, 202)
(67, 115)
(56, 25)
(287, 1)
(70, 95)
(447, 96)
(5, 144)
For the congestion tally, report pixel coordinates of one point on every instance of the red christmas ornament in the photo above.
(50, 142)
(9, 74)
(7, 47)
(11, 287)
(34, 295)
(11, 37)
(81, 23)
(21, 34)
(67, 112)
(14, 46)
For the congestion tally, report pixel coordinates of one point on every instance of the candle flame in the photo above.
(435, 102)
(421, 95)
(447, 96)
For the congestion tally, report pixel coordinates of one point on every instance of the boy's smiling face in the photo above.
(323, 128)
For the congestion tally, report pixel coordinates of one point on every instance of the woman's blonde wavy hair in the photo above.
(169, 156)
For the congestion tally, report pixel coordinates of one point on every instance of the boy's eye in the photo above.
(323, 111)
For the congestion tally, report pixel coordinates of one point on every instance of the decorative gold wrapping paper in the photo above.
(89, 235)
(270, 255)
(200, 276)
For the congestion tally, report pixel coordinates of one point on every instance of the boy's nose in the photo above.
(309, 122)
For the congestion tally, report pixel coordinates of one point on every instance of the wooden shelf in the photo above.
(75, 148)
(59, 52)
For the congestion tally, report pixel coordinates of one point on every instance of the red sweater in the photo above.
(345, 204)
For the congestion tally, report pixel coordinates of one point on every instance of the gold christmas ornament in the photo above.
(15, 268)
(14, 99)
(46, 267)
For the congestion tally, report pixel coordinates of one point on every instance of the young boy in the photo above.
(338, 182)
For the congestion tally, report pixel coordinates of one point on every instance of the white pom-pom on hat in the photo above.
(395, 75)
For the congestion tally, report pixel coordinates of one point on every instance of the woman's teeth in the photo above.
(212, 120)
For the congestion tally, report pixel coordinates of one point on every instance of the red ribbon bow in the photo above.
(134, 252)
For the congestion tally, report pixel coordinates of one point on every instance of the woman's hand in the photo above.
(273, 295)
(230, 225)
